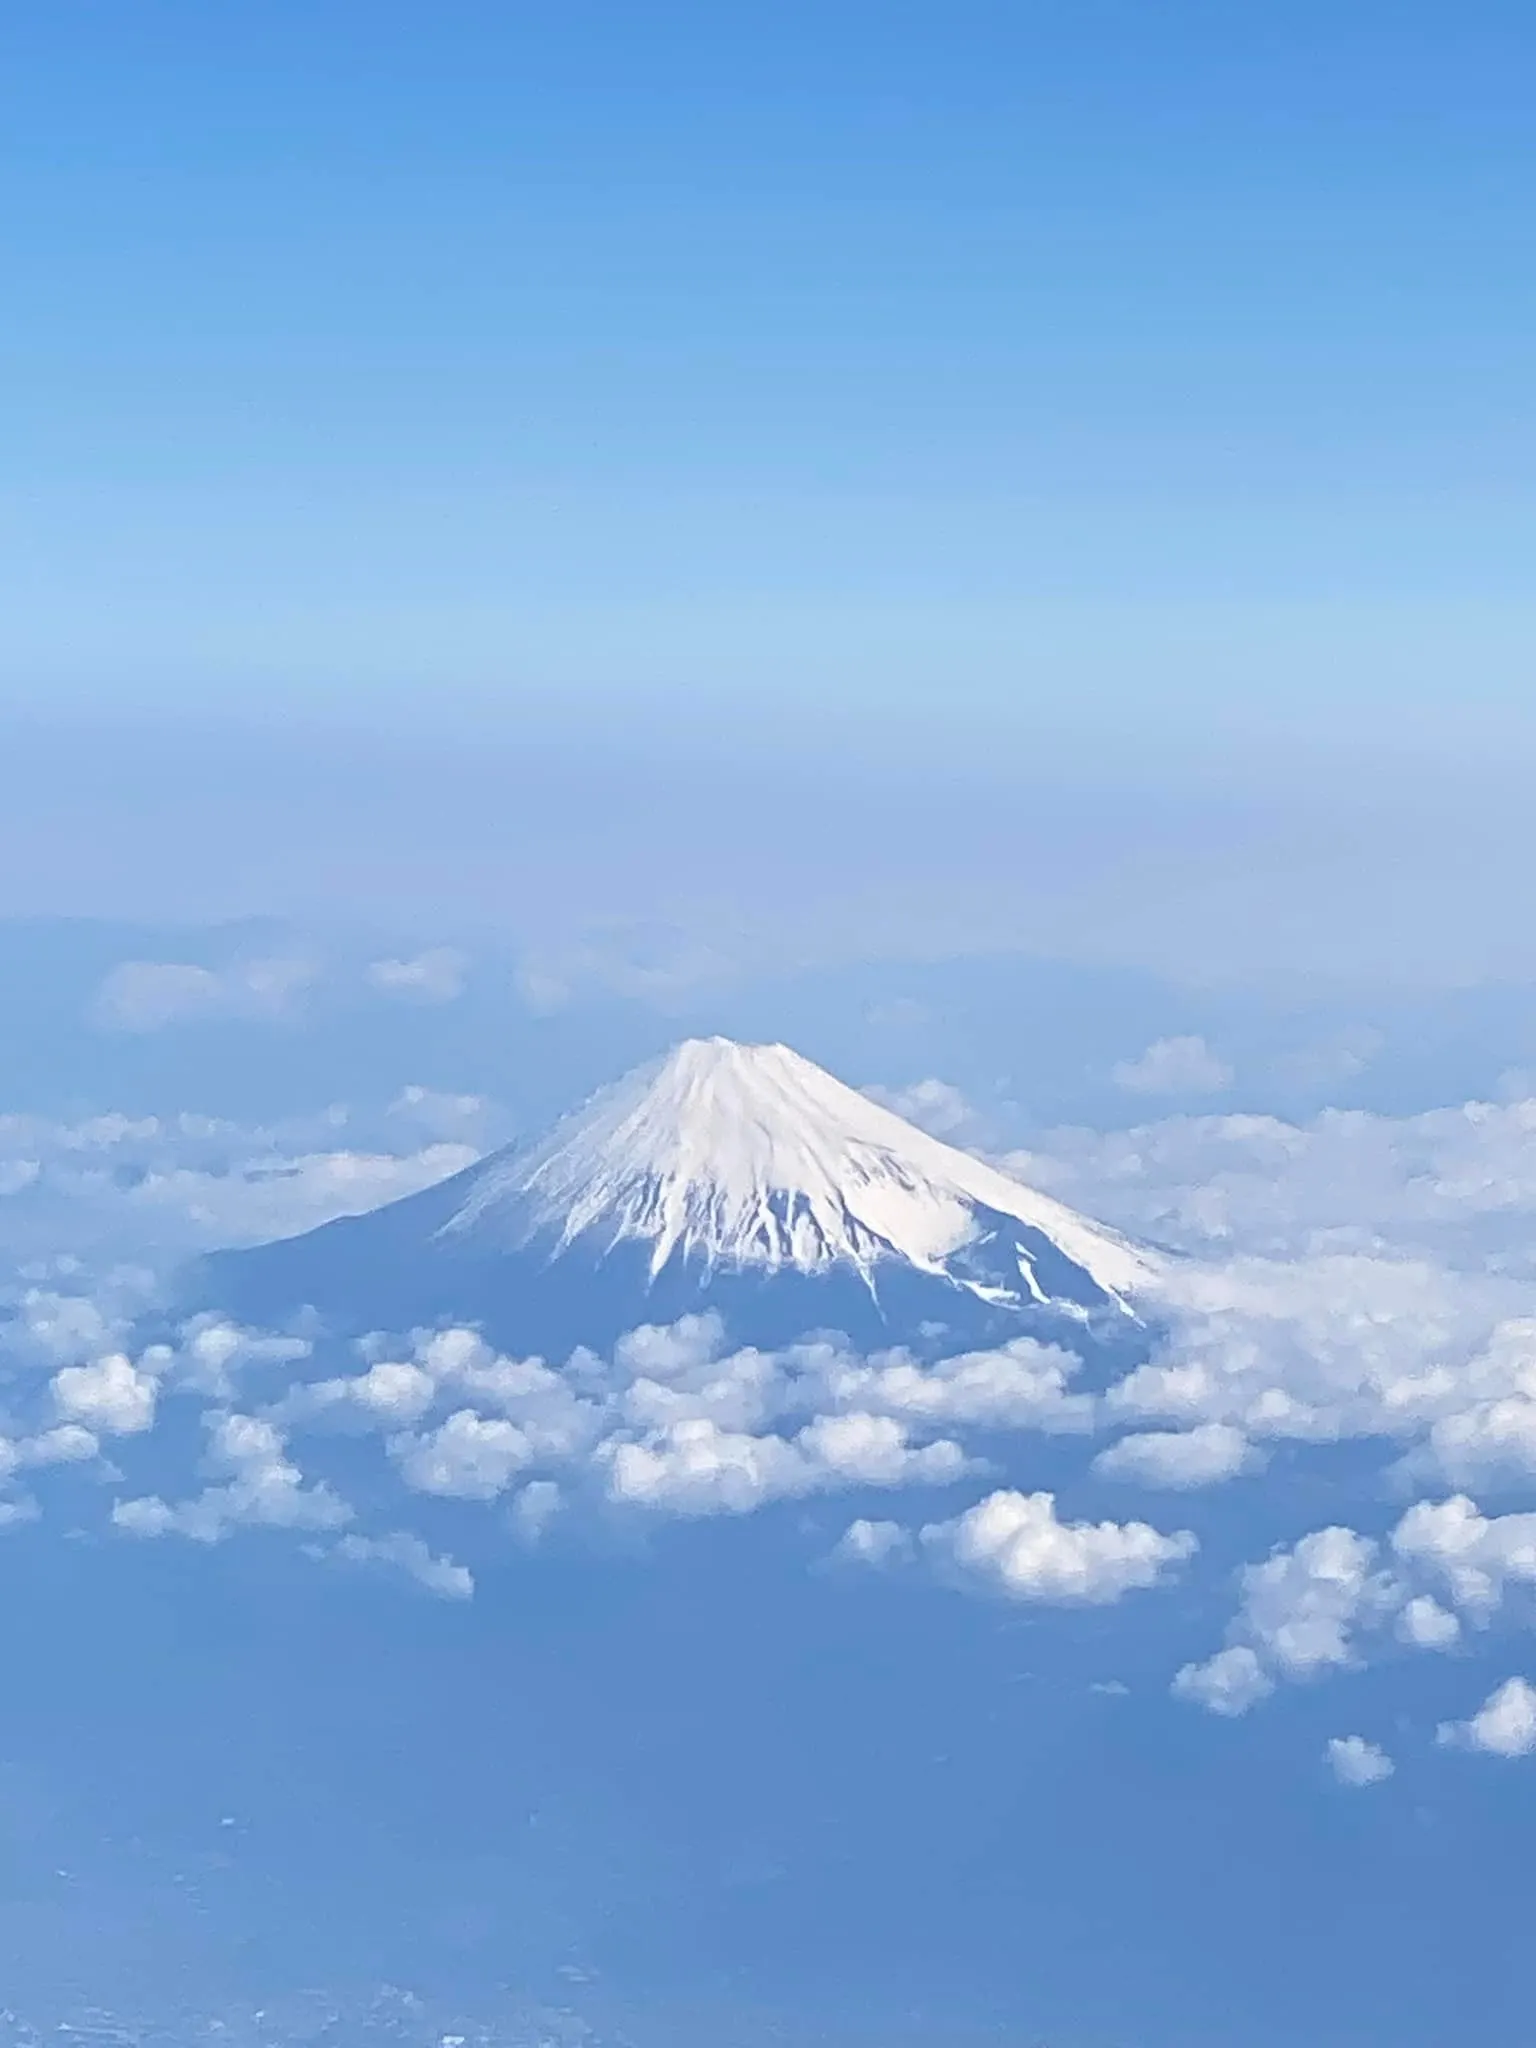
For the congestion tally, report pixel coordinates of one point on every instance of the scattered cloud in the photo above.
(407, 1553)
(436, 976)
(149, 995)
(1504, 1725)
(1300, 1613)
(872, 1543)
(932, 1105)
(469, 1457)
(1201, 1456)
(1356, 1762)
(1229, 1683)
(1015, 1543)
(262, 1488)
(1174, 1066)
(113, 1396)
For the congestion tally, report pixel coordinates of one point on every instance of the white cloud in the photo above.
(1473, 1555)
(1356, 1762)
(1014, 1543)
(1301, 1611)
(436, 976)
(112, 1396)
(1023, 1384)
(68, 1444)
(1504, 1725)
(392, 1392)
(147, 995)
(468, 1457)
(1229, 1683)
(697, 1467)
(1201, 1456)
(1175, 1066)
(264, 1488)
(535, 1507)
(872, 1543)
(874, 1450)
(407, 1553)
(255, 1201)
(1425, 1625)
(932, 1105)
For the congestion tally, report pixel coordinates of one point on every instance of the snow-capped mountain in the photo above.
(740, 1177)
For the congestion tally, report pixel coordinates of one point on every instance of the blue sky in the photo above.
(1093, 366)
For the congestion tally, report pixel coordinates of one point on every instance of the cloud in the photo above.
(1200, 1456)
(872, 1543)
(264, 1488)
(932, 1105)
(1425, 1625)
(469, 1457)
(154, 1189)
(1504, 1725)
(1229, 1683)
(1299, 1616)
(436, 976)
(696, 1467)
(1174, 1066)
(1014, 1543)
(1356, 1762)
(148, 995)
(407, 1553)
(112, 1396)
(1474, 1556)
(1023, 1384)
(535, 1506)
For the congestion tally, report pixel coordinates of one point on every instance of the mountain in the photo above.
(742, 1178)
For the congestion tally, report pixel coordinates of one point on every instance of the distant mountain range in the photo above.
(739, 1178)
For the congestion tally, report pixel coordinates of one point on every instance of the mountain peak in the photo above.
(751, 1156)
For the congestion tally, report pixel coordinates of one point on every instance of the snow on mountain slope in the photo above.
(739, 1180)
(751, 1156)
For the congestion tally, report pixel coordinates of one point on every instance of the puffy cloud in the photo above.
(1015, 1543)
(1504, 1725)
(1229, 1683)
(147, 995)
(872, 1543)
(1425, 1625)
(696, 1467)
(1023, 1384)
(1356, 1762)
(1200, 1456)
(1474, 1556)
(436, 976)
(468, 1457)
(263, 1488)
(68, 1444)
(407, 1553)
(874, 1450)
(113, 1396)
(1175, 1066)
(390, 1393)
(1300, 1613)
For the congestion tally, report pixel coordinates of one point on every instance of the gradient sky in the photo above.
(1129, 367)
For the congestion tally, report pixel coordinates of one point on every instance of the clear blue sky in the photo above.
(1168, 362)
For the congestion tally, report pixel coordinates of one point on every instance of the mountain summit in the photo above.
(742, 1177)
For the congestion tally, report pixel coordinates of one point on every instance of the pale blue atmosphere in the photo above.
(768, 1047)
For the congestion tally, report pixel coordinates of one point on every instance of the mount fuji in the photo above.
(742, 1179)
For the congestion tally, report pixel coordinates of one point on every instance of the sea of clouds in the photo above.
(1353, 1280)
